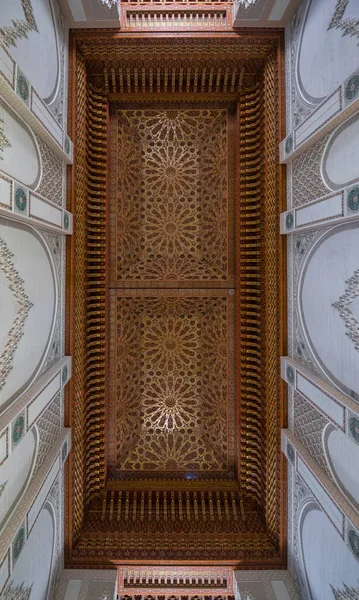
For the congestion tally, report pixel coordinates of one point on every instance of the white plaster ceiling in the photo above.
(264, 13)
(44, 73)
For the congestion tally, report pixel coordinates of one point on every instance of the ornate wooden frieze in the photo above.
(177, 16)
(175, 511)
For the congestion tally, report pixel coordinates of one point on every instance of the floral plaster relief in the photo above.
(28, 305)
(336, 54)
(329, 310)
(43, 72)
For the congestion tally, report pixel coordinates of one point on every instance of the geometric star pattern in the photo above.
(170, 197)
(172, 399)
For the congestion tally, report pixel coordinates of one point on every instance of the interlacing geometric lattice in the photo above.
(171, 196)
(53, 170)
(172, 394)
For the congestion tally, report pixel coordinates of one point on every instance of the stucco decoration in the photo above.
(297, 109)
(325, 290)
(53, 175)
(342, 455)
(336, 54)
(301, 245)
(55, 499)
(18, 469)
(21, 157)
(340, 166)
(33, 567)
(17, 472)
(19, 28)
(344, 21)
(28, 286)
(56, 245)
(306, 181)
(309, 425)
(42, 42)
(48, 426)
(344, 307)
(300, 500)
(346, 592)
(17, 324)
(324, 569)
(4, 142)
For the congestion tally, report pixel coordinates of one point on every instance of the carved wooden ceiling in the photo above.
(175, 300)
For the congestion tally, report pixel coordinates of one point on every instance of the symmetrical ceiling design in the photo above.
(175, 395)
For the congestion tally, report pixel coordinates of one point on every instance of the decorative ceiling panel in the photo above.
(172, 381)
(171, 197)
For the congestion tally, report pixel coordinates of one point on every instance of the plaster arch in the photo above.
(21, 160)
(323, 569)
(339, 166)
(328, 305)
(29, 299)
(326, 42)
(342, 456)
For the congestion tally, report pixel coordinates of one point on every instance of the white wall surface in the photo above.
(343, 460)
(330, 265)
(33, 567)
(322, 52)
(325, 57)
(327, 559)
(37, 56)
(32, 275)
(21, 159)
